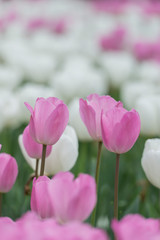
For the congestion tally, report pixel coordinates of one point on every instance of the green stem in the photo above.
(43, 159)
(0, 204)
(36, 170)
(116, 187)
(93, 217)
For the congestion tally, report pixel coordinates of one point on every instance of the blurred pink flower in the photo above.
(64, 198)
(8, 172)
(113, 41)
(120, 129)
(33, 149)
(30, 226)
(41, 199)
(48, 120)
(58, 26)
(144, 50)
(134, 226)
(90, 112)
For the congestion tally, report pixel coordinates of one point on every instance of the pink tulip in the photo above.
(133, 227)
(64, 198)
(120, 129)
(8, 172)
(90, 112)
(33, 149)
(30, 226)
(48, 120)
(41, 200)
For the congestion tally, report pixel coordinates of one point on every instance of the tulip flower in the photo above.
(30, 226)
(134, 226)
(8, 172)
(33, 149)
(151, 161)
(48, 121)
(120, 130)
(90, 111)
(63, 155)
(64, 198)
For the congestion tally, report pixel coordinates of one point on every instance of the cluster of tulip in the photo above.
(60, 204)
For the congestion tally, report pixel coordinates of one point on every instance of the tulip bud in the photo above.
(48, 120)
(120, 129)
(8, 172)
(151, 161)
(90, 112)
(33, 149)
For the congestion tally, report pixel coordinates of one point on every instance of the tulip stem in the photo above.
(0, 204)
(93, 217)
(116, 187)
(36, 170)
(43, 159)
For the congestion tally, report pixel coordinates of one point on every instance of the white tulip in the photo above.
(63, 155)
(119, 66)
(148, 108)
(76, 121)
(151, 161)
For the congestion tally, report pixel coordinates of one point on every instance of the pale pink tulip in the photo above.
(8, 172)
(90, 112)
(73, 199)
(133, 227)
(64, 198)
(41, 200)
(30, 227)
(48, 120)
(120, 129)
(33, 149)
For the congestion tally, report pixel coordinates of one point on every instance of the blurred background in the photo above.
(70, 49)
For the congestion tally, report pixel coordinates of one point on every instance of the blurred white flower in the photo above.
(10, 77)
(79, 79)
(10, 114)
(13, 51)
(38, 67)
(29, 93)
(63, 155)
(131, 91)
(151, 161)
(148, 71)
(119, 66)
(76, 121)
(148, 108)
